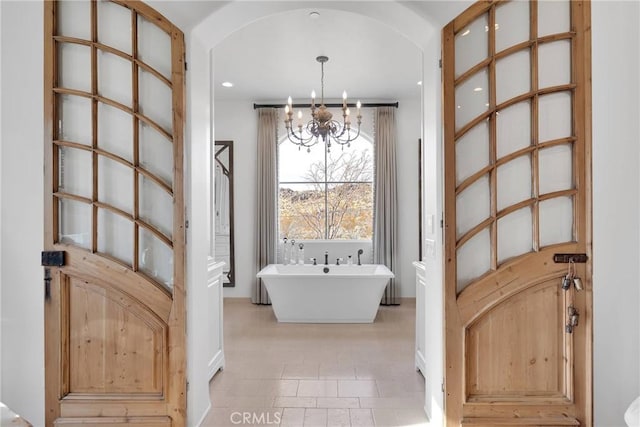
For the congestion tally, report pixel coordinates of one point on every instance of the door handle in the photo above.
(573, 318)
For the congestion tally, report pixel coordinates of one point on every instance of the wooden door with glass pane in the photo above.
(516, 81)
(115, 309)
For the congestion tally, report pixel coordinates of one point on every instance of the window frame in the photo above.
(325, 183)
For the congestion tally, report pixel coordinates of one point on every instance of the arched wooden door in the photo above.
(114, 216)
(516, 81)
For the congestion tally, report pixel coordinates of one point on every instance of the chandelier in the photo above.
(322, 125)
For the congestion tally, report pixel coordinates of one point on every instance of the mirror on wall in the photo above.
(223, 197)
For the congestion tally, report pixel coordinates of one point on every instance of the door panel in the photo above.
(115, 311)
(517, 191)
(100, 317)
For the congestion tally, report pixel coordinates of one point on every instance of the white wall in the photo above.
(616, 211)
(433, 207)
(22, 209)
(197, 193)
(237, 121)
(1, 206)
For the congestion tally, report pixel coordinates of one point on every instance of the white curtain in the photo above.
(267, 202)
(385, 208)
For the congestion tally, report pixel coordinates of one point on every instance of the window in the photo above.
(326, 195)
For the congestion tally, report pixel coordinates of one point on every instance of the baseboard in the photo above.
(215, 364)
(204, 415)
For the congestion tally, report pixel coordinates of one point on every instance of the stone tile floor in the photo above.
(280, 374)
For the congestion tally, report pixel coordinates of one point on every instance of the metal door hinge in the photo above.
(47, 284)
(443, 386)
(186, 224)
(440, 63)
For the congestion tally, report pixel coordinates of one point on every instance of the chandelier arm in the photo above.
(298, 139)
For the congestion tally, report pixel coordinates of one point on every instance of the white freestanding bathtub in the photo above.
(325, 293)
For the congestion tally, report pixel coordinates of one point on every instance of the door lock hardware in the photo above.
(566, 258)
(573, 318)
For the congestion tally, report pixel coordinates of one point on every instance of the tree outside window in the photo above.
(326, 195)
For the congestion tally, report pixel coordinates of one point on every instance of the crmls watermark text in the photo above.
(253, 418)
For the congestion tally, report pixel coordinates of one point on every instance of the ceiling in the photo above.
(274, 57)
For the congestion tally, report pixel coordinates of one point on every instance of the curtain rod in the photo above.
(329, 105)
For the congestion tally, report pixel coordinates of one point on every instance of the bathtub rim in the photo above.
(270, 271)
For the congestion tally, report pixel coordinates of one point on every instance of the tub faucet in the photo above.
(313, 260)
(326, 257)
(360, 252)
(338, 261)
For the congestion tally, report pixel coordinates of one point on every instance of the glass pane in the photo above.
(74, 223)
(473, 205)
(515, 234)
(513, 76)
(74, 172)
(554, 64)
(514, 181)
(556, 221)
(115, 236)
(554, 116)
(115, 130)
(114, 26)
(471, 44)
(74, 119)
(155, 99)
(472, 151)
(554, 16)
(114, 77)
(472, 98)
(350, 209)
(74, 66)
(154, 47)
(115, 184)
(156, 206)
(155, 258)
(556, 168)
(302, 212)
(74, 19)
(296, 165)
(156, 153)
(510, 137)
(473, 259)
(512, 24)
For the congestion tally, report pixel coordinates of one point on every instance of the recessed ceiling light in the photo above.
(227, 84)
(314, 15)
(466, 32)
(478, 89)
(420, 83)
